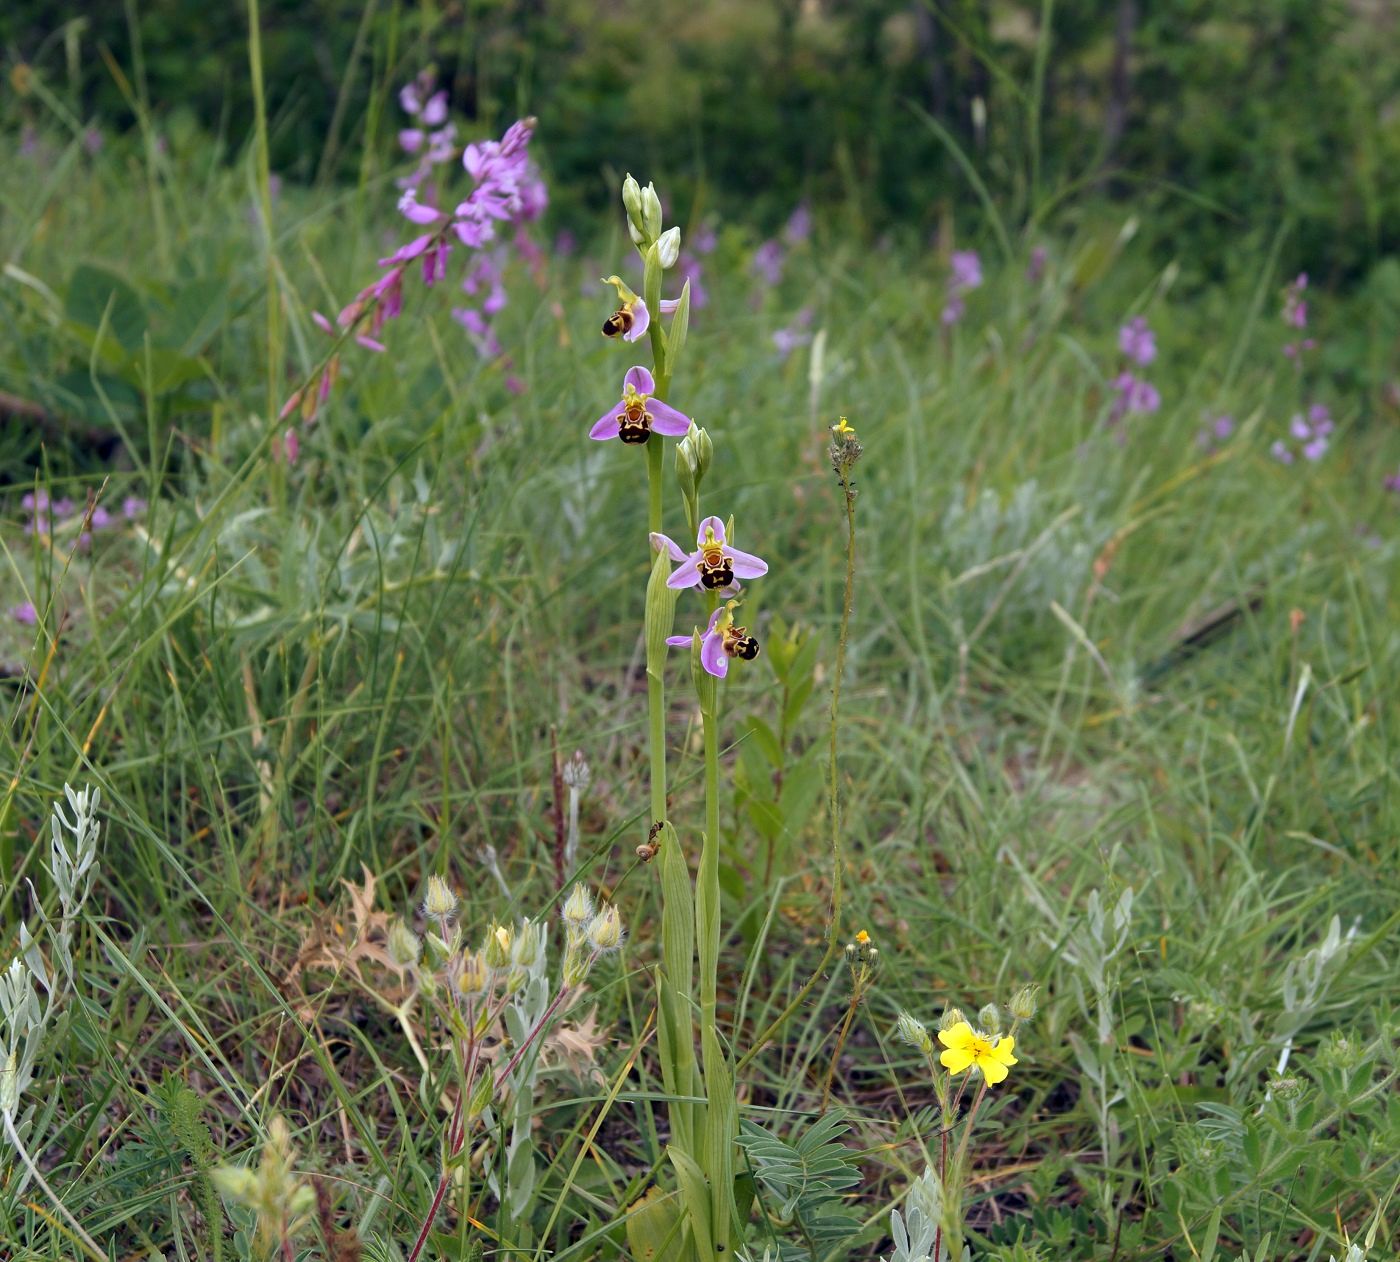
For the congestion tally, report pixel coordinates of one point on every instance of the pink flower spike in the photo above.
(369, 343)
(435, 111)
(322, 323)
(407, 253)
(292, 444)
(639, 414)
(411, 210)
(411, 139)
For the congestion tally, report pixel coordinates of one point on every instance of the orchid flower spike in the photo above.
(714, 565)
(631, 319)
(722, 640)
(638, 414)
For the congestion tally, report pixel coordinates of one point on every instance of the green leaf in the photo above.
(95, 295)
(654, 1227)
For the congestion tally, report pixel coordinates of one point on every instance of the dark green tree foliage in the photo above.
(1222, 106)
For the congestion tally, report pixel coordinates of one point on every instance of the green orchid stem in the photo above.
(656, 684)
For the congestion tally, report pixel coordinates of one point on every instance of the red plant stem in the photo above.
(530, 1038)
(457, 1127)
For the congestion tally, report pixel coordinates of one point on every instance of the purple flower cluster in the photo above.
(1215, 430)
(433, 138)
(1310, 436)
(1392, 483)
(46, 512)
(506, 189)
(965, 275)
(1035, 269)
(1137, 341)
(796, 334)
(1134, 393)
(768, 262)
(771, 257)
(1295, 316)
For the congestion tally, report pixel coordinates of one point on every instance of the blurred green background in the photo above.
(1213, 117)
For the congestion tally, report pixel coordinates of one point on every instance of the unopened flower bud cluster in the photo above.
(508, 955)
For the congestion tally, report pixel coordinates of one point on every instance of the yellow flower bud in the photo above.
(498, 947)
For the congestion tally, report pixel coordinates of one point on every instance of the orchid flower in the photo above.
(722, 640)
(631, 319)
(638, 415)
(714, 565)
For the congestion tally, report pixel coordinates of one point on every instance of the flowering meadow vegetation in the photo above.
(672, 736)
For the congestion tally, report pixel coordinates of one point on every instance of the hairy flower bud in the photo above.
(668, 247)
(474, 976)
(405, 946)
(497, 950)
(914, 1032)
(439, 902)
(578, 907)
(989, 1019)
(605, 930)
(950, 1018)
(578, 959)
(528, 944)
(1023, 1005)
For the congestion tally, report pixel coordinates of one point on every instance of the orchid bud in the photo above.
(632, 204)
(668, 246)
(651, 213)
(950, 1018)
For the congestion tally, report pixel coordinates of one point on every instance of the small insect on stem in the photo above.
(650, 848)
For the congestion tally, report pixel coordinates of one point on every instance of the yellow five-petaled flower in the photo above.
(964, 1047)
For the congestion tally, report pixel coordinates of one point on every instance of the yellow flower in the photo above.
(843, 430)
(862, 938)
(965, 1048)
